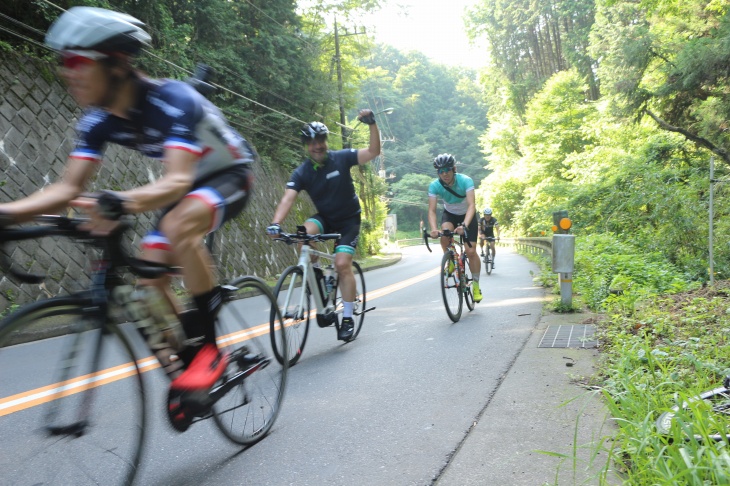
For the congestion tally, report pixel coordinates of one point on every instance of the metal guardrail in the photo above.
(543, 244)
(530, 245)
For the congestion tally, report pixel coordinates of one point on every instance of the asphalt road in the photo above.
(392, 407)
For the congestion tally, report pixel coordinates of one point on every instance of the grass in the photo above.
(657, 356)
(663, 341)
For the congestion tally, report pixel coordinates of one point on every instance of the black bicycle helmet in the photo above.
(312, 130)
(97, 29)
(444, 160)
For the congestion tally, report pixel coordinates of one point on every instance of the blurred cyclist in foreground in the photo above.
(207, 167)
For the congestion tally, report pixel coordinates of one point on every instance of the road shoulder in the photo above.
(541, 426)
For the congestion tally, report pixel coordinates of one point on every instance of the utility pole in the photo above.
(343, 127)
(339, 87)
(381, 171)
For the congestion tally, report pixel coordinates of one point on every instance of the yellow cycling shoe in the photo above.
(476, 292)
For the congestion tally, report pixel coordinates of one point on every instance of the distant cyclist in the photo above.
(457, 192)
(207, 167)
(325, 175)
(487, 224)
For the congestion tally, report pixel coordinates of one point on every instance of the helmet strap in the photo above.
(115, 81)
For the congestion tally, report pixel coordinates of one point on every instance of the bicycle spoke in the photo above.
(293, 300)
(449, 283)
(78, 415)
(249, 330)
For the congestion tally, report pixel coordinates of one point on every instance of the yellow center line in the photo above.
(38, 396)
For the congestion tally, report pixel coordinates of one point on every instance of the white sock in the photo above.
(346, 309)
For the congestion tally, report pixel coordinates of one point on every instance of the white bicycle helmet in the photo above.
(97, 29)
(487, 211)
(312, 130)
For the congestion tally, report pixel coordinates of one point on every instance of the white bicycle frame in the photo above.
(310, 279)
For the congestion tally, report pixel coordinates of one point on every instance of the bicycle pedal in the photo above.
(183, 408)
(177, 415)
(327, 320)
(245, 359)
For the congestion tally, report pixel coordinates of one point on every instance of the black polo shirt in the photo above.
(329, 186)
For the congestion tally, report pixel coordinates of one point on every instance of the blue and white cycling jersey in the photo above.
(452, 203)
(168, 114)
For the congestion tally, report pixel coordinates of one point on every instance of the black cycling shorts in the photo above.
(349, 230)
(225, 192)
(472, 230)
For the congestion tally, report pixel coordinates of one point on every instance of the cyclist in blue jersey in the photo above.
(457, 193)
(325, 175)
(207, 174)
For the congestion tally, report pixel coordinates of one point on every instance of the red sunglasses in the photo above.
(75, 59)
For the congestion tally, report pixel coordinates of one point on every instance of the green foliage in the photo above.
(611, 273)
(410, 201)
(437, 109)
(657, 357)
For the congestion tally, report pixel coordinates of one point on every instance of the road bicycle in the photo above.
(72, 392)
(704, 417)
(303, 283)
(488, 258)
(455, 276)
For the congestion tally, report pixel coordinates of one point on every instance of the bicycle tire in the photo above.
(69, 404)
(359, 305)
(449, 283)
(488, 262)
(249, 324)
(288, 293)
(710, 408)
(466, 285)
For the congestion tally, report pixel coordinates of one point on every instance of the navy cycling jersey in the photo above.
(167, 114)
(487, 227)
(330, 186)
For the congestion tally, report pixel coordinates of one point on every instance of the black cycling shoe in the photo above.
(346, 330)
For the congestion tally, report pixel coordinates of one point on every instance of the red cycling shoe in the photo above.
(189, 392)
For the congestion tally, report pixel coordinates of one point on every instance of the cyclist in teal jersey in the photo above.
(457, 192)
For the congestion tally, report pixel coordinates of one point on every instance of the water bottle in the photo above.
(329, 279)
(154, 318)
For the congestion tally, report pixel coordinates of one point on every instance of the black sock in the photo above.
(208, 305)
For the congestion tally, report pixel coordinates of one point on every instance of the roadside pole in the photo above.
(564, 255)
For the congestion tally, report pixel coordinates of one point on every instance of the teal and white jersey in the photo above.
(453, 204)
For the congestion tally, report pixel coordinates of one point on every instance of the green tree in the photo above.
(409, 200)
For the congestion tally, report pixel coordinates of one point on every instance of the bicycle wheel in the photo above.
(705, 417)
(358, 307)
(72, 407)
(247, 327)
(295, 310)
(449, 282)
(466, 285)
(488, 262)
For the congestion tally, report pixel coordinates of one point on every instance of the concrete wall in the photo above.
(37, 119)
